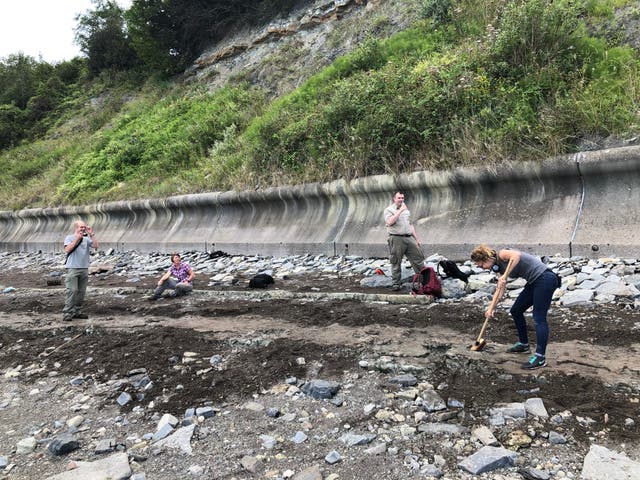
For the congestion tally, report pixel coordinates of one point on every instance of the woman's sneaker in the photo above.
(536, 361)
(519, 348)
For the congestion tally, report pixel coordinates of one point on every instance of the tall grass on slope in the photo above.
(33, 170)
(532, 86)
(157, 142)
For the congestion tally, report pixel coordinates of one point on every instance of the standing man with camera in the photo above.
(78, 247)
(402, 240)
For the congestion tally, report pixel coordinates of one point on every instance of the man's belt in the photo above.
(401, 235)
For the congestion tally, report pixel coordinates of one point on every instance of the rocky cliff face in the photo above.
(283, 54)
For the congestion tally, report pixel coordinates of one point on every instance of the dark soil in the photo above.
(126, 332)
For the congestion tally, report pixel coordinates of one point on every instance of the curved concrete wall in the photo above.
(585, 204)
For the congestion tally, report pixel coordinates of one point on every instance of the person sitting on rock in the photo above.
(178, 278)
(538, 292)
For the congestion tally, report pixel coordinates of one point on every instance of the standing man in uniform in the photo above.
(78, 247)
(403, 240)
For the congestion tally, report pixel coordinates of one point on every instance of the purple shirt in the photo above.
(181, 273)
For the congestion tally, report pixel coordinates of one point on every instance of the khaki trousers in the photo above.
(75, 283)
(400, 247)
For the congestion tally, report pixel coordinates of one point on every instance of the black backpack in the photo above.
(450, 269)
(261, 280)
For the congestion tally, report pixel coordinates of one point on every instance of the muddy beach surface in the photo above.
(260, 342)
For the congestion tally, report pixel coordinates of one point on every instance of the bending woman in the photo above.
(541, 283)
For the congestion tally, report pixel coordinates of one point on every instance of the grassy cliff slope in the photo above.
(386, 87)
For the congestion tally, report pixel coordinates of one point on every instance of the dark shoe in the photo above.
(81, 316)
(519, 348)
(67, 318)
(536, 361)
(153, 298)
(396, 288)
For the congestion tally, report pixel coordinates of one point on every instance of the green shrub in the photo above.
(159, 140)
(437, 10)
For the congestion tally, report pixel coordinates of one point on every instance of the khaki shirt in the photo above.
(402, 225)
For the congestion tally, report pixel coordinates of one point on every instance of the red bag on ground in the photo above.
(426, 283)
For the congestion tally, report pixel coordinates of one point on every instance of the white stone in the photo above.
(535, 407)
(167, 419)
(601, 463)
(618, 289)
(485, 436)
(576, 297)
(114, 467)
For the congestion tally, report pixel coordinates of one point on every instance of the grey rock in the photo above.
(510, 410)
(577, 297)
(377, 449)
(534, 474)
(76, 381)
(268, 441)
(106, 445)
(115, 467)
(352, 439)
(273, 412)
(180, 440)
(431, 471)
(206, 412)
(618, 289)
(250, 464)
(320, 389)
(432, 401)
(376, 281)
(63, 444)
(535, 407)
(406, 380)
(311, 473)
(123, 399)
(485, 436)
(169, 419)
(4, 461)
(26, 445)
(453, 288)
(602, 463)
(196, 470)
(163, 432)
(299, 437)
(332, 457)
(487, 459)
(556, 439)
(440, 428)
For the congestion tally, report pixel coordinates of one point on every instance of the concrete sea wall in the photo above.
(586, 204)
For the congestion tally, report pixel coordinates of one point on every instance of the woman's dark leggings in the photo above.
(538, 294)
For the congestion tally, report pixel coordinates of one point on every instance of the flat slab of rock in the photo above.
(442, 428)
(180, 440)
(487, 459)
(320, 389)
(115, 467)
(602, 463)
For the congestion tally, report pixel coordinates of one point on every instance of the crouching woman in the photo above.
(178, 278)
(541, 283)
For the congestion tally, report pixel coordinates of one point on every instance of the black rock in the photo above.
(63, 444)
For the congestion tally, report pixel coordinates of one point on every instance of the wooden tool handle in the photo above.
(495, 300)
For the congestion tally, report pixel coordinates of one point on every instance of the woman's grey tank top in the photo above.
(529, 267)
